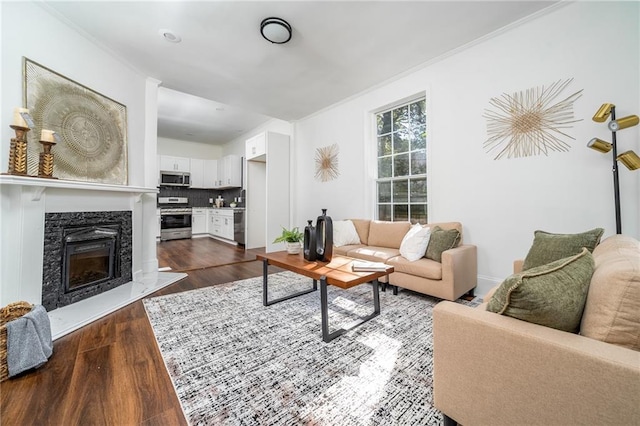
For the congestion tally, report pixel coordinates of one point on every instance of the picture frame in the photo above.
(91, 128)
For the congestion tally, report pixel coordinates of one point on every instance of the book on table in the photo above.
(366, 266)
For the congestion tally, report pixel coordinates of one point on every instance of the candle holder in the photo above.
(45, 164)
(18, 152)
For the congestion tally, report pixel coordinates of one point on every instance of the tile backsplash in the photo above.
(200, 197)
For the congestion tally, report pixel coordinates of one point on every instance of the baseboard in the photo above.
(485, 284)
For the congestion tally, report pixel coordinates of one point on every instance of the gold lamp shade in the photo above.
(623, 123)
(600, 145)
(603, 113)
(630, 159)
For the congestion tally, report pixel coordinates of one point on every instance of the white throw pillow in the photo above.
(415, 242)
(344, 233)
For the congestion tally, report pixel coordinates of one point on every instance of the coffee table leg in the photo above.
(265, 288)
(324, 310)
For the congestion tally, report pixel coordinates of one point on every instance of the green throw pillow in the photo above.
(552, 295)
(440, 241)
(548, 247)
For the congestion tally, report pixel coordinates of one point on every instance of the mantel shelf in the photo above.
(42, 184)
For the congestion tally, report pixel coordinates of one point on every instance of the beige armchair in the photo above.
(491, 369)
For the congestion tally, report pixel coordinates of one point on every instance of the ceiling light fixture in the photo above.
(275, 30)
(170, 36)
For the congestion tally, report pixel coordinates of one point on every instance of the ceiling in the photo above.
(224, 79)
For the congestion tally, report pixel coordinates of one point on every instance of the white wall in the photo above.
(180, 148)
(499, 202)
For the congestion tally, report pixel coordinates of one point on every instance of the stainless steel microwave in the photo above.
(175, 179)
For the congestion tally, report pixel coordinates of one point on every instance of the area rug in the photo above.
(235, 362)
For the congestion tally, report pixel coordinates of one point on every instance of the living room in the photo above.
(499, 202)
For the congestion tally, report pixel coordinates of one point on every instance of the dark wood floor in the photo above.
(110, 372)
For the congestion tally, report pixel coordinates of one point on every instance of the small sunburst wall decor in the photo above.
(327, 163)
(529, 123)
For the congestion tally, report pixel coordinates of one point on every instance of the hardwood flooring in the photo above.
(110, 372)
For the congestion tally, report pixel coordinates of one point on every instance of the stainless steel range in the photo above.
(175, 218)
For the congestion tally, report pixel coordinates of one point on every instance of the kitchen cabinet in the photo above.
(268, 199)
(229, 172)
(210, 173)
(220, 223)
(204, 173)
(197, 173)
(174, 164)
(256, 148)
(199, 221)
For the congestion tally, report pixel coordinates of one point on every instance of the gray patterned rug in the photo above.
(235, 362)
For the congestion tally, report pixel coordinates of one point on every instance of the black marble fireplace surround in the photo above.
(57, 229)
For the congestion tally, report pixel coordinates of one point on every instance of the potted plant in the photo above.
(292, 238)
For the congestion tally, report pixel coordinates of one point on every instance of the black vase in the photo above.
(324, 237)
(309, 250)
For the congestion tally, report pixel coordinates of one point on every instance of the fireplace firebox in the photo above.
(85, 254)
(90, 256)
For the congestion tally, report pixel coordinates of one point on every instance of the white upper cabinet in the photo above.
(197, 173)
(174, 164)
(210, 168)
(256, 148)
(230, 172)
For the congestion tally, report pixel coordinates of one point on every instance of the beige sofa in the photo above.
(491, 369)
(380, 242)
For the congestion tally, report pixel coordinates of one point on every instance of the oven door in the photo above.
(174, 226)
(175, 220)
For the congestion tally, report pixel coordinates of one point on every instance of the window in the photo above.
(402, 163)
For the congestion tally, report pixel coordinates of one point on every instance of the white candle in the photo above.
(47, 135)
(17, 117)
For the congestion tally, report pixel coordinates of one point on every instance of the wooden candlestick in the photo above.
(45, 165)
(18, 152)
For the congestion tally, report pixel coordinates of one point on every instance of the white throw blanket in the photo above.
(29, 343)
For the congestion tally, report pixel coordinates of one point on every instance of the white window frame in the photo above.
(373, 146)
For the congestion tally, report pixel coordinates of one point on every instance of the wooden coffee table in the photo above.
(337, 273)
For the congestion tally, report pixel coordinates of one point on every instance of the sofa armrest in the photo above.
(493, 369)
(460, 268)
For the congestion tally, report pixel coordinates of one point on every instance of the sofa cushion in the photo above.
(374, 254)
(387, 234)
(548, 247)
(448, 225)
(362, 227)
(423, 267)
(612, 311)
(441, 240)
(415, 242)
(552, 295)
(344, 233)
(344, 250)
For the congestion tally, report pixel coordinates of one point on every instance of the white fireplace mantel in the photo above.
(24, 202)
(42, 184)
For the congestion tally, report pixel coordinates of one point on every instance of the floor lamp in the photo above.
(629, 158)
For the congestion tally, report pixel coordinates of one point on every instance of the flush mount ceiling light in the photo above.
(170, 36)
(275, 30)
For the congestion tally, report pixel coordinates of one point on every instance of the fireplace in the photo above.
(90, 256)
(85, 254)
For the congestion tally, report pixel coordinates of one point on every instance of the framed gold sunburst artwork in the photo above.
(92, 127)
(530, 122)
(327, 163)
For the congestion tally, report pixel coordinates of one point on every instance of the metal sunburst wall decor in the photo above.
(529, 123)
(327, 163)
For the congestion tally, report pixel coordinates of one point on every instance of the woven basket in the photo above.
(9, 313)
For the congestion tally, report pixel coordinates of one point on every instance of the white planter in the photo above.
(294, 248)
